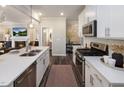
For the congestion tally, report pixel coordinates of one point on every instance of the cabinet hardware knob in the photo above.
(91, 80)
(44, 61)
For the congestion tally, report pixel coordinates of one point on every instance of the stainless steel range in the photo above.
(97, 49)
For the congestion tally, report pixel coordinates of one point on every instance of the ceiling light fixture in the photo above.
(61, 13)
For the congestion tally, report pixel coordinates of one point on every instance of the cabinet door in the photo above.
(98, 80)
(93, 78)
(90, 13)
(117, 21)
(39, 70)
(47, 59)
(103, 19)
(87, 76)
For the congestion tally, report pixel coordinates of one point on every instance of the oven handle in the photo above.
(80, 59)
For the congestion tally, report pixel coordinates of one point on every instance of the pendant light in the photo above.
(31, 24)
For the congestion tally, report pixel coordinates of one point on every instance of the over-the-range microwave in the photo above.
(90, 29)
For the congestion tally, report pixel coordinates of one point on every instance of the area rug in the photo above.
(61, 76)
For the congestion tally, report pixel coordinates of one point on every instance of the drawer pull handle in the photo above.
(91, 80)
(98, 78)
(44, 61)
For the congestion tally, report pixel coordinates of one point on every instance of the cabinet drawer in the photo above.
(98, 79)
(93, 78)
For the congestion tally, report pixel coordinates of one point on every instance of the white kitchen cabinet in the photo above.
(103, 19)
(99, 81)
(40, 70)
(87, 76)
(47, 59)
(110, 21)
(90, 13)
(93, 78)
(117, 21)
(42, 64)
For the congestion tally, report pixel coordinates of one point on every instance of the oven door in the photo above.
(80, 64)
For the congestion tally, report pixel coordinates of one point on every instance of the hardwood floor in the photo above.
(60, 60)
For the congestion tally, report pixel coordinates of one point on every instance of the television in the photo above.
(19, 31)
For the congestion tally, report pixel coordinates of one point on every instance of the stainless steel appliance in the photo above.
(90, 29)
(97, 49)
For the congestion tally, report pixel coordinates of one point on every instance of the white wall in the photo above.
(58, 25)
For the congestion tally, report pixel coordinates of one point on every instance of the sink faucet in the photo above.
(28, 47)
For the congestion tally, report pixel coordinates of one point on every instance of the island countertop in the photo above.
(113, 76)
(13, 65)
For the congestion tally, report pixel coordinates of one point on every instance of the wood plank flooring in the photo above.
(60, 60)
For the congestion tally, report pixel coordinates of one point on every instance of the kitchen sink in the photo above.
(36, 50)
(31, 53)
(28, 54)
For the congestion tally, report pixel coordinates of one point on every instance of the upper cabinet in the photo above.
(110, 21)
(90, 13)
(103, 21)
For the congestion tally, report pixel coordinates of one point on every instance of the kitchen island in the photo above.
(12, 65)
(97, 74)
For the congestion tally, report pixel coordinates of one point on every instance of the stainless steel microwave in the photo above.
(90, 29)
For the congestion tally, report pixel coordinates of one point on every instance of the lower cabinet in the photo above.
(87, 76)
(40, 69)
(42, 64)
(93, 78)
(27, 78)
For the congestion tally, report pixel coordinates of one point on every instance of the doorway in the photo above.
(47, 37)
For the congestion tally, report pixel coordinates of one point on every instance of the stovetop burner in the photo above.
(90, 52)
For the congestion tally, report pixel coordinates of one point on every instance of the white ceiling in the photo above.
(70, 11)
(19, 13)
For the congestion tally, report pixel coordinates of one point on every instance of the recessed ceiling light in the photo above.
(61, 13)
(40, 14)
